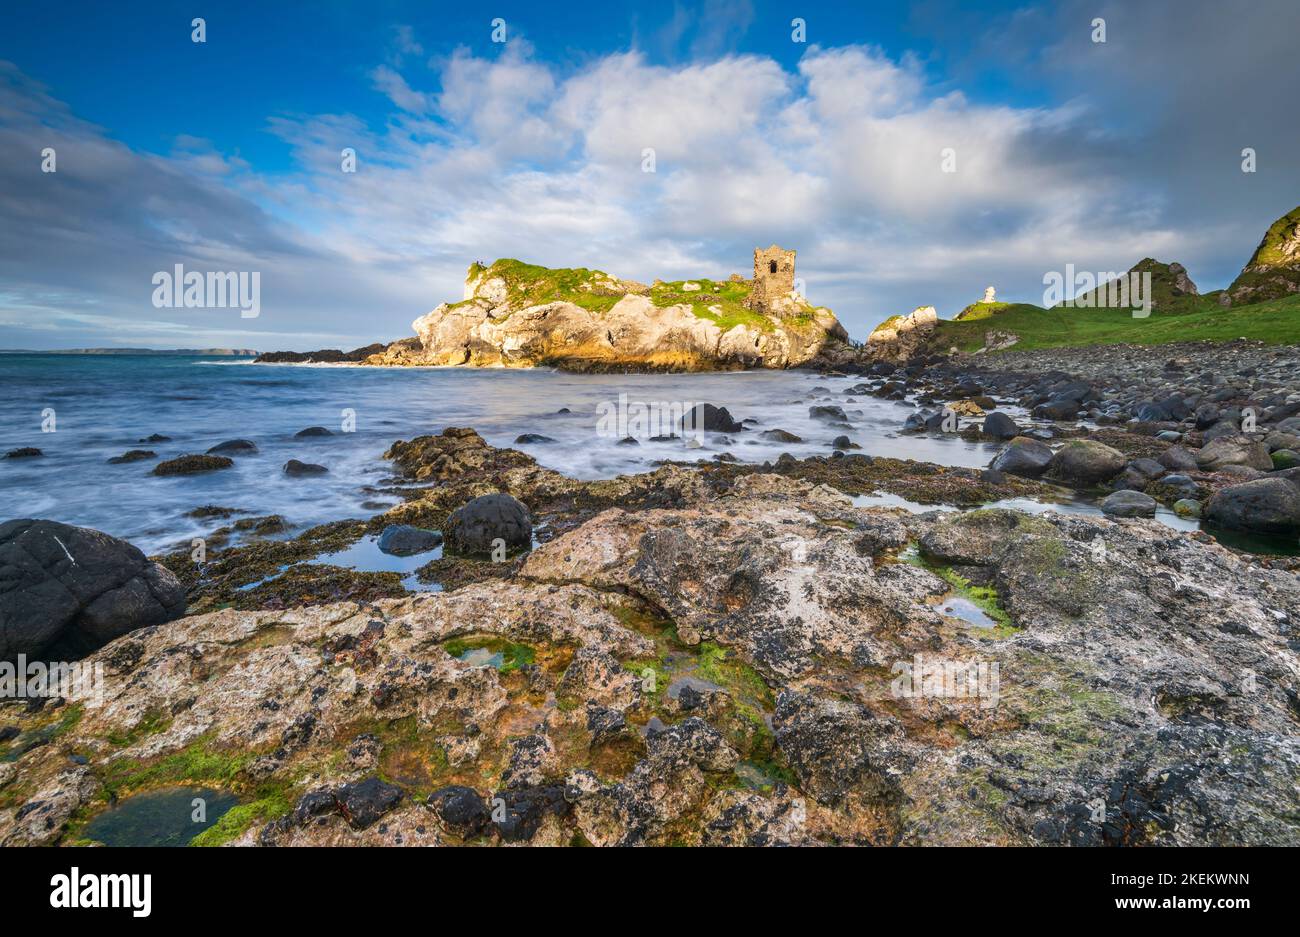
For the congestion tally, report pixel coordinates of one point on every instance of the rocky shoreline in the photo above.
(716, 654)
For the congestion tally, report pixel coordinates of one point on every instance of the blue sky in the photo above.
(224, 155)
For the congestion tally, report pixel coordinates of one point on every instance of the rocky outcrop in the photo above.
(323, 356)
(898, 338)
(762, 663)
(67, 590)
(1273, 271)
(520, 315)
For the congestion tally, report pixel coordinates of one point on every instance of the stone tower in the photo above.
(773, 278)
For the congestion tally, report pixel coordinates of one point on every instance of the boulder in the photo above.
(1057, 410)
(1177, 459)
(71, 590)
(1265, 505)
(1129, 504)
(132, 455)
(705, 416)
(829, 413)
(527, 439)
(26, 452)
(1285, 458)
(472, 527)
(363, 803)
(312, 431)
(1084, 463)
(298, 469)
(405, 540)
(779, 435)
(1234, 450)
(190, 464)
(1023, 456)
(234, 447)
(461, 810)
(1000, 426)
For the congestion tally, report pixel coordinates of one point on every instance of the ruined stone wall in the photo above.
(773, 277)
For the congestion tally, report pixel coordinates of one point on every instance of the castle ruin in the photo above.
(773, 278)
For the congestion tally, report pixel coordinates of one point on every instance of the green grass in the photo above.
(532, 285)
(726, 296)
(1275, 322)
(272, 803)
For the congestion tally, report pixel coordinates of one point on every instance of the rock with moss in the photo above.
(192, 464)
(1273, 271)
(1085, 463)
(516, 314)
(714, 655)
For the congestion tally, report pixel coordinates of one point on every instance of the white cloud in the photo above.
(506, 155)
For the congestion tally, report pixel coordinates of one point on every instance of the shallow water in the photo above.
(954, 605)
(365, 556)
(159, 818)
(103, 406)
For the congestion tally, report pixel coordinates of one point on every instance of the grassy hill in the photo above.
(1276, 321)
(719, 301)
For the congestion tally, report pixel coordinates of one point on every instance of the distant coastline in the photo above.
(214, 352)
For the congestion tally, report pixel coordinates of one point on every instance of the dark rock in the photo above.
(779, 435)
(189, 464)
(405, 540)
(1265, 505)
(828, 413)
(461, 810)
(155, 437)
(522, 810)
(1177, 459)
(1057, 410)
(1224, 429)
(532, 438)
(364, 802)
(705, 416)
(1207, 414)
(843, 442)
(604, 723)
(628, 441)
(234, 447)
(472, 527)
(312, 431)
(1022, 456)
(132, 455)
(1129, 504)
(298, 469)
(76, 589)
(999, 426)
(26, 452)
(313, 804)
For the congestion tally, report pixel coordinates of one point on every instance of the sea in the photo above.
(82, 410)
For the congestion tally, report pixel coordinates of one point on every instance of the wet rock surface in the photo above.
(720, 655)
(67, 590)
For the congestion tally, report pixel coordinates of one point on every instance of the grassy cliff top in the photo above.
(719, 301)
(1199, 318)
(1269, 253)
